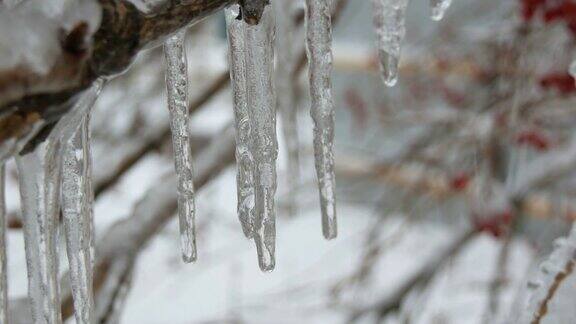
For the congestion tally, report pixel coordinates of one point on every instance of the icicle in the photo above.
(260, 96)
(67, 125)
(39, 172)
(318, 48)
(3, 273)
(78, 220)
(177, 89)
(389, 20)
(438, 8)
(285, 92)
(244, 158)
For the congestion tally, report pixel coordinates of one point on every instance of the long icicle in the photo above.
(39, 173)
(77, 210)
(318, 48)
(3, 261)
(285, 92)
(389, 22)
(438, 8)
(261, 102)
(244, 158)
(177, 90)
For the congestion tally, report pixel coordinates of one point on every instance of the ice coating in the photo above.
(562, 256)
(77, 211)
(259, 62)
(244, 158)
(389, 22)
(177, 90)
(318, 48)
(3, 273)
(438, 8)
(251, 61)
(39, 174)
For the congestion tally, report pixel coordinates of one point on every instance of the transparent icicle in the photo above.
(244, 158)
(77, 202)
(259, 62)
(285, 92)
(39, 173)
(3, 273)
(389, 22)
(68, 124)
(438, 8)
(318, 48)
(177, 89)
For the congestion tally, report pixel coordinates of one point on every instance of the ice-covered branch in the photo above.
(552, 272)
(72, 49)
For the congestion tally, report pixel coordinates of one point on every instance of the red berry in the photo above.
(460, 181)
(534, 139)
(562, 82)
(495, 224)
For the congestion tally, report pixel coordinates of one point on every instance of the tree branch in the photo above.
(29, 98)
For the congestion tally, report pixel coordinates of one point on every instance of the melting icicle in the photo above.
(318, 48)
(177, 89)
(77, 210)
(3, 273)
(259, 62)
(438, 8)
(285, 92)
(389, 21)
(244, 159)
(39, 172)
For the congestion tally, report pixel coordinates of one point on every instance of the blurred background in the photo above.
(451, 186)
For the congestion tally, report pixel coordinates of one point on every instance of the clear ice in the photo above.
(244, 158)
(389, 22)
(318, 48)
(177, 90)
(77, 211)
(438, 8)
(3, 273)
(39, 173)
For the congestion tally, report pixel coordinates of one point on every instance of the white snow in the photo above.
(30, 31)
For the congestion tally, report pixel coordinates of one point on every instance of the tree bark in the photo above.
(28, 99)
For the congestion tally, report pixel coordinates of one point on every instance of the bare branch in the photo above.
(393, 300)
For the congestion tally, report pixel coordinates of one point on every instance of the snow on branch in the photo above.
(552, 272)
(52, 50)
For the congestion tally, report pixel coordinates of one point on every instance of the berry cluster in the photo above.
(496, 224)
(534, 139)
(550, 11)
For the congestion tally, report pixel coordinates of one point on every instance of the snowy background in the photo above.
(387, 234)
